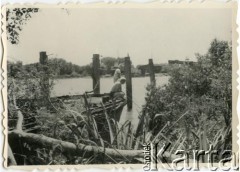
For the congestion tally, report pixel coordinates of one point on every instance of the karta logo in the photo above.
(155, 155)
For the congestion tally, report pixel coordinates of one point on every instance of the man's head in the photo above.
(122, 80)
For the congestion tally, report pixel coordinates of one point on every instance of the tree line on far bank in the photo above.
(59, 68)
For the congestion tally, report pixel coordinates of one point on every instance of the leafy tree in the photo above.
(108, 62)
(15, 19)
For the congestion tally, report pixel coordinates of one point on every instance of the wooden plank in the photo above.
(108, 106)
(128, 76)
(96, 74)
(151, 72)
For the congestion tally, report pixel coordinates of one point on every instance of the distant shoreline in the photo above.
(72, 77)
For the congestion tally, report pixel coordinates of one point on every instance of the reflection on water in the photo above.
(74, 86)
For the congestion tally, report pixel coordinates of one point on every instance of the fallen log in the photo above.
(69, 148)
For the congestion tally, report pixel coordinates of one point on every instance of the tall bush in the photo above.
(204, 89)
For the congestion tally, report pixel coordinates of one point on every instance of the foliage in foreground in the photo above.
(193, 111)
(16, 18)
(203, 92)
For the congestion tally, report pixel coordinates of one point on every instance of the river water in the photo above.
(76, 86)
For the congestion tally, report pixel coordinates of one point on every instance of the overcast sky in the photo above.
(161, 34)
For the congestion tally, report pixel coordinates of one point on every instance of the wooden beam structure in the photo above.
(128, 76)
(96, 74)
(44, 79)
(151, 72)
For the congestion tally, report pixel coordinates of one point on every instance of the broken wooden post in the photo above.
(128, 76)
(44, 79)
(151, 72)
(43, 58)
(96, 74)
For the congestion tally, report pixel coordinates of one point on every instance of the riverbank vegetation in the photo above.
(192, 111)
(199, 94)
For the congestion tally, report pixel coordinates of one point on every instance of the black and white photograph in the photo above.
(102, 84)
